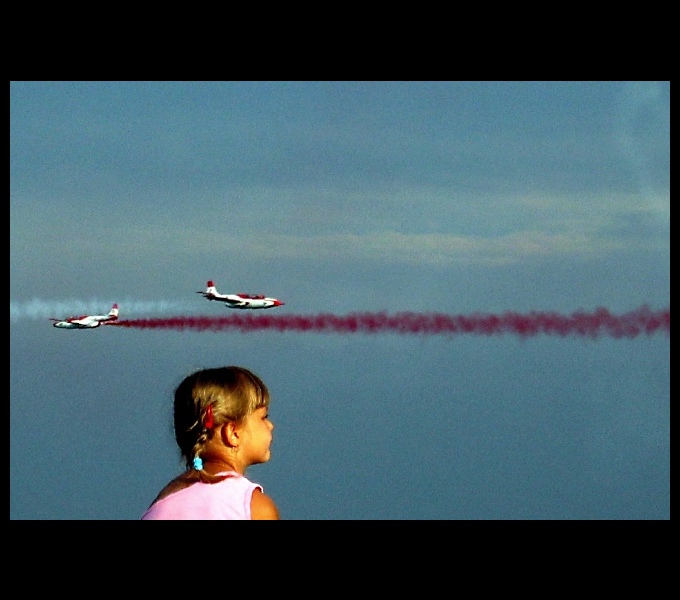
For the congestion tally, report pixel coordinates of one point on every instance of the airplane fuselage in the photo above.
(252, 303)
(244, 301)
(237, 301)
(86, 321)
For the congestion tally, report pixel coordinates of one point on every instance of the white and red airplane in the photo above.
(239, 300)
(86, 321)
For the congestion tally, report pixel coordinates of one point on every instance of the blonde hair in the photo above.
(212, 397)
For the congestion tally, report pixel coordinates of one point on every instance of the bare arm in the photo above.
(262, 507)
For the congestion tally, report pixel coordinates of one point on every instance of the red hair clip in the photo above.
(208, 420)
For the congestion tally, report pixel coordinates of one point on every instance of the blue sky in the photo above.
(337, 197)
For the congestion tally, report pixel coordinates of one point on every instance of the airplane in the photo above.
(239, 300)
(86, 321)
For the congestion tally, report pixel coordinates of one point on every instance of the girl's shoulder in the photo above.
(178, 483)
(262, 507)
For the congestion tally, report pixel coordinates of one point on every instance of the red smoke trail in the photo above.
(599, 323)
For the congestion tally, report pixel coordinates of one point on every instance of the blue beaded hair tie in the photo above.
(198, 463)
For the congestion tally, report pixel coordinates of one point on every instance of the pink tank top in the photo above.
(227, 499)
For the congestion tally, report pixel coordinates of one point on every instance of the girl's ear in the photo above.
(230, 434)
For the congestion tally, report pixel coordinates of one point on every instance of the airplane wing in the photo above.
(71, 325)
(231, 302)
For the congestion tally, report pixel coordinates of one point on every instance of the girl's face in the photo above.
(256, 437)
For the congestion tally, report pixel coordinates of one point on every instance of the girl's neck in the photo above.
(213, 466)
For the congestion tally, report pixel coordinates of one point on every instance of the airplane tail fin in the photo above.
(210, 290)
(114, 311)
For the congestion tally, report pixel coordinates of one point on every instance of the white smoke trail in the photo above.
(46, 309)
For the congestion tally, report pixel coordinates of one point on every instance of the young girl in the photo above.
(221, 427)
